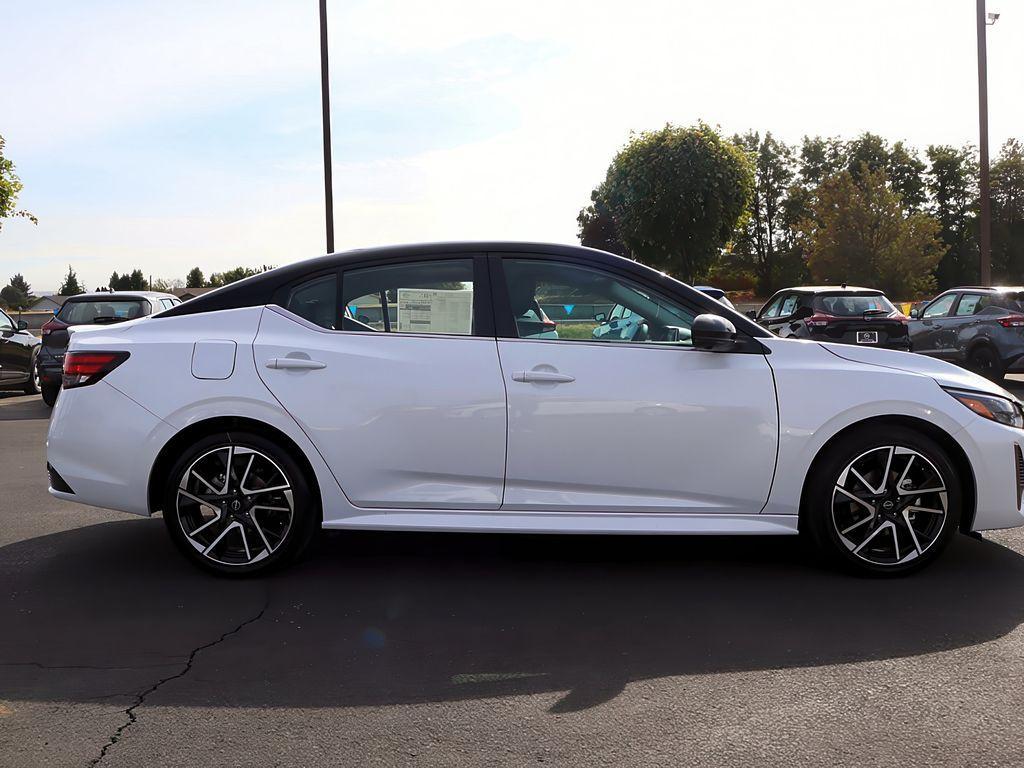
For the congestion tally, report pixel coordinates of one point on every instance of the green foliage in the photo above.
(597, 226)
(218, 279)
(136, 281)
(195, 278)
(859, 232)
(14, 298)
(952, 187)
(19, 282)
(10, 188)
(676, 195)
(70, 286)
(1007, 179)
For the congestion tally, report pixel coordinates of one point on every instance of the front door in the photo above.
(929, 334)
(649, 424)
(394, 383)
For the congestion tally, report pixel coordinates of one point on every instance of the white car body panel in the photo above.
(403, 420)
(641, 428)
(422, 447)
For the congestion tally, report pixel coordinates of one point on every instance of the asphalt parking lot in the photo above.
(440, 650)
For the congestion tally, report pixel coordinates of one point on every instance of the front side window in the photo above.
(419, 297)
(940, 307)
(773, 308)
(579, 295)
(316, 301)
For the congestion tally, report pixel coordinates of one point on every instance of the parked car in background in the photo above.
(978, 328)
(90, 309)
(18, 352)
(835, 313)
(715, 293)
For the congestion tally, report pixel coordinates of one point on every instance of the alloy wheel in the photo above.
(889, 505)
(235, 505)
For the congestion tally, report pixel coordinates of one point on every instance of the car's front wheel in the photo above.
(883, 501)
(236, 503)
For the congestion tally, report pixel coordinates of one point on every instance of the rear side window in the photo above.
(972, 304)
(316, 301)
(100, 311)
(419, 297)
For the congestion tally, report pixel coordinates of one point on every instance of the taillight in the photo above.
(1012, 321)
(819, 321)
(51, 325)
(82, 368)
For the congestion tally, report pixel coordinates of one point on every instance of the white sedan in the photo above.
(407, 388)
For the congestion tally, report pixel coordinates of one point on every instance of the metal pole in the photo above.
(326, 102)
(985, 214)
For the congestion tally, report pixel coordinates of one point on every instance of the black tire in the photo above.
(194, 526)
(32, 386)
(50, 392)
(986, 361)
(840, 527)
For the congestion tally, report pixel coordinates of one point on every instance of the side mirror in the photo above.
(713, 333)
(22, 325)
(802, 314)
(915, 313)
(751, 313)
(600, 317)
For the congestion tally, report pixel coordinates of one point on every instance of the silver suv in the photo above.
(978, 328)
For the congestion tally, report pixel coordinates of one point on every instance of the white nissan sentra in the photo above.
(424, 387)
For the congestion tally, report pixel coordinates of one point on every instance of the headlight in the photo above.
(991, 407)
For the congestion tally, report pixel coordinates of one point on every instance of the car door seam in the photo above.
(508, 423)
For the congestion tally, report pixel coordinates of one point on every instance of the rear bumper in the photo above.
(102, 445)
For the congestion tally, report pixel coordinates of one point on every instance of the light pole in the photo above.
(325, 98)
(985, 214)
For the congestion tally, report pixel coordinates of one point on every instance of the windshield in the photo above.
(851, 305)
(89, 311)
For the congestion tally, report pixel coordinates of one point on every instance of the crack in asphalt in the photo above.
(140, 698)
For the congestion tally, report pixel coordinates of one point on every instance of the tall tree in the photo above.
(136, 281)
(1008, 213)
(597, 226)
(819, 159)
(115, 282)
(19, 282)
(906, 175)
(952, 184)
(70, 286)
(195, 278)
(762, 239)
(218, 279)
(676, 196)
(14, 298)
(10, 188)
(859, 232)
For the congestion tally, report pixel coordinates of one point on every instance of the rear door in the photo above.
(11, 364)
(391, 369)
(693, 432)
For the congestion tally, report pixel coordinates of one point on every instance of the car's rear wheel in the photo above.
(32, 385)
(236, 503)
(883, 501)
(50, 392)
(985, 361)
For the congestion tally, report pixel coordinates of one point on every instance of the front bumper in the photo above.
(992, 451)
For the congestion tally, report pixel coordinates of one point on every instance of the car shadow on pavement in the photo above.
(386, 618)
(15, 406)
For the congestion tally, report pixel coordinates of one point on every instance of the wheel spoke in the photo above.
(913, 535)
(924, 509)
(871, 537)
(204, 481)
(858, 524)
(252, 458)
(227, 469)
(227, 529)
(258, 491)
(259, 529)
(919, 491)
(857, 499)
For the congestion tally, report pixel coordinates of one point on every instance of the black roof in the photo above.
(265, 287)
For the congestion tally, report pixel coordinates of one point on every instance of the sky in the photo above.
(163, 136)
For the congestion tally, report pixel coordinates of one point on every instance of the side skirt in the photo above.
(596, 523)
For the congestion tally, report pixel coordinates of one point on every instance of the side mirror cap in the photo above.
(22, 325)
(751, 313)
(915, 313)
(713, 333)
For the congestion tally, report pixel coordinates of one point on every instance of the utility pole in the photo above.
(985, 213)
(325, 98)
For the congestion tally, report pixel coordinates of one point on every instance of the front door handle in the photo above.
(295, 364)
(542, 377)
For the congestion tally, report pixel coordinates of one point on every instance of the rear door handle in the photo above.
(545, 377)
(295, 364)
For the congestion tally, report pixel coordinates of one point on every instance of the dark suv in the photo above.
(837, 313)
(978, 328)
(90, 309)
